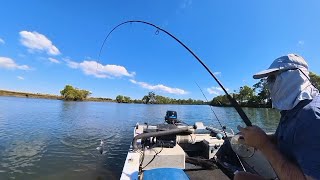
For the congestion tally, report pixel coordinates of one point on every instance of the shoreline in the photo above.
(8, 93)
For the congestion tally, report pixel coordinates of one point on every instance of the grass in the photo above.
(47, 96)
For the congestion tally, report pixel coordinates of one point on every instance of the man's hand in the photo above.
(285, 169)
(254, 136)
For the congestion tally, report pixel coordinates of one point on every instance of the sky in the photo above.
(45, 45)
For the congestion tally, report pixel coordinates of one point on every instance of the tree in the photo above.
(119, 98)
(221, 100)
(145, 99)
(123, 99)
(152, 97)
(245, 94)
(70, 93)
(315, 80)
(126, 99)
(263, 92)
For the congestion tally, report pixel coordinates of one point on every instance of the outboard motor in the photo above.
(171, 117)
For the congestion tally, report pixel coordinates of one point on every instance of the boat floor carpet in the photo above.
(198, 173)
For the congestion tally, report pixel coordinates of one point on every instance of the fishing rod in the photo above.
(231, 99)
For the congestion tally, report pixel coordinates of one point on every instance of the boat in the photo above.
(176, 150)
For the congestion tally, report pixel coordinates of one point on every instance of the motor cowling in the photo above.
(171, 117)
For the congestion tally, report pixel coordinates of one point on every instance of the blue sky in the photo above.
(45, 45)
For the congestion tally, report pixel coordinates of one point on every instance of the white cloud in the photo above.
(54, 60)
(160, 87)
(216, 73)
(2, 41)
(98, 70)
(8, 63)
(20, 77)
(301, 43)
(185, 4)
(36, 41)
(216, 90)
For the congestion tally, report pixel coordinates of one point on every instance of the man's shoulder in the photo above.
(312, 109)
(316, 102)
(309, 116)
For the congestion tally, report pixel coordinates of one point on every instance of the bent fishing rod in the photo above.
(231, 99)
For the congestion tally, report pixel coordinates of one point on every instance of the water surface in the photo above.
(53, 139)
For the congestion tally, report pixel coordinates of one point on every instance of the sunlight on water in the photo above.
(51, 139)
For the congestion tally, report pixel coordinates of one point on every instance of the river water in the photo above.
(53, 139)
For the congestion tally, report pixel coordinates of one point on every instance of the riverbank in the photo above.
(47, 96)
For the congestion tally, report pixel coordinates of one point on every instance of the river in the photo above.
(53, 139)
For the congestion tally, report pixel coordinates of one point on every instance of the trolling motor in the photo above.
(171, 117)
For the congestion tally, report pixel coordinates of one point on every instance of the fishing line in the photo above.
(223, 129)
(212, 110)
(158, 29)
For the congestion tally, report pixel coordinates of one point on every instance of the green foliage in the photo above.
(220, 100)
(315, 79)
(123, 99)
(257, 96)
(157, 99)
(152, 98)
(263, 92)
(70, 93)
(145, 99)
(245, 94)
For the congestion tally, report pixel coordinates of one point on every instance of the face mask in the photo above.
(289, 88)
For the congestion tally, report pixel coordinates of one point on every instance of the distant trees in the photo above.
(123, 99)
(246, 97)
(257, 96)
(220, 101)
(263, 92)
(152, 98)
(245, 94)
(70, 93)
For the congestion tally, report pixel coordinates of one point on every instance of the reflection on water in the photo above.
(51, 139)
(21, 155)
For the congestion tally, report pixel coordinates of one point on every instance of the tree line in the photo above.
(255, 96)
(152, 98)
(70, 93)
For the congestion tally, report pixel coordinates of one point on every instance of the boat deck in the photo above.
(198, 173)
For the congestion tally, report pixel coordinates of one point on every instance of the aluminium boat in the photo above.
(176, 150)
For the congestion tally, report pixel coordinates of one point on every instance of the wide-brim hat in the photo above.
(283, 63)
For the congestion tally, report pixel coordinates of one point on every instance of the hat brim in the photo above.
(265, 73)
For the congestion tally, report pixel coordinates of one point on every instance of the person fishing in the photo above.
(293, 150)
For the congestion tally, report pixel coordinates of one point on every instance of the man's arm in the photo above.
(257, 138)
(272, 138)
(283, 167)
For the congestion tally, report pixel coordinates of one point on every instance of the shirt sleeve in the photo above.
(307, 143)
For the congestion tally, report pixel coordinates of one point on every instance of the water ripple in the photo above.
(49, 139)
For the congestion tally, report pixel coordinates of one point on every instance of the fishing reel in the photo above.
(240, 148)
